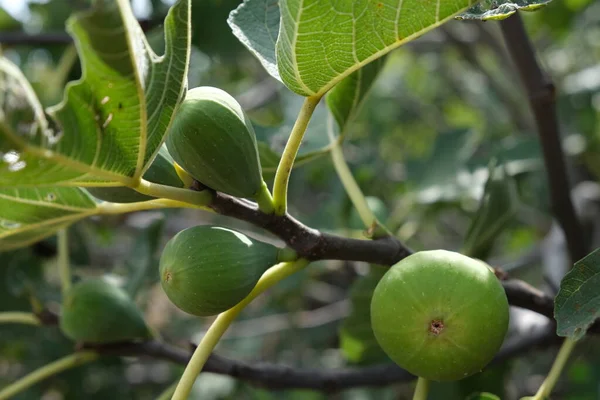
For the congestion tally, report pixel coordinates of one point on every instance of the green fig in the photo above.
(160, 171)
(205, 270)
(213, 140)
(96, 311)
(440, 315)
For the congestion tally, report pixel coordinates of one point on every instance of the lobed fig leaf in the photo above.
(96, 311)
(440, 315)
(205, 270)
(160, 171)
(213, 140)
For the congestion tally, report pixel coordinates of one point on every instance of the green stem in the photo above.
(287, 254)
(559, 363)
(352, 189)
(222, 322)
(421, 390)
(284, 169)
(19, 318)
(197, 198)
(264, 199)
(121, 208)
(64, 268)
(70, 361)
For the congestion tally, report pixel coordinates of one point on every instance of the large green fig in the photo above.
(205, 270)
(440, 315)
(161, 171)
(96, 311)
(213, 140)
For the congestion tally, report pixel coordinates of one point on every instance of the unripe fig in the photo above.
(161, 171)
(205, 270)
(96, 311)
(440, 315)
(213, 140)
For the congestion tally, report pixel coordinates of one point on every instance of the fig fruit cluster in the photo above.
(97, 311)
(440, 315)
(205, 270)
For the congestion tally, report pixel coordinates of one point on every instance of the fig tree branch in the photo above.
(276, 376)
(542, 100)
(315, 245)
(311, 243)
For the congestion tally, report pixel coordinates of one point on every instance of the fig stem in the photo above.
(17, 317)
(273, 275)
(422, 389)
(70, 361)
(121, 208)
(264, 199)
(284, 169)
(559, 363)
(187, 179)
(197, 198)
(287, 254)
(352, 189)
(64, 268)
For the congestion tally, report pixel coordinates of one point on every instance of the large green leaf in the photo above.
(320, 42)
(112, 122)
(577, 304)
(28, 215)
(256, 24)
(500, 9)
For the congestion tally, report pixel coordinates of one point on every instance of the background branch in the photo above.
(277, 376)
(13, 38)
(542, 100)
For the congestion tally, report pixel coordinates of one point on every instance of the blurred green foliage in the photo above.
(440, 109)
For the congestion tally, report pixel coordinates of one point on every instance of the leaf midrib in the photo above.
(29, 227)
(367, 60)
(61, 159)
(45, 204)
